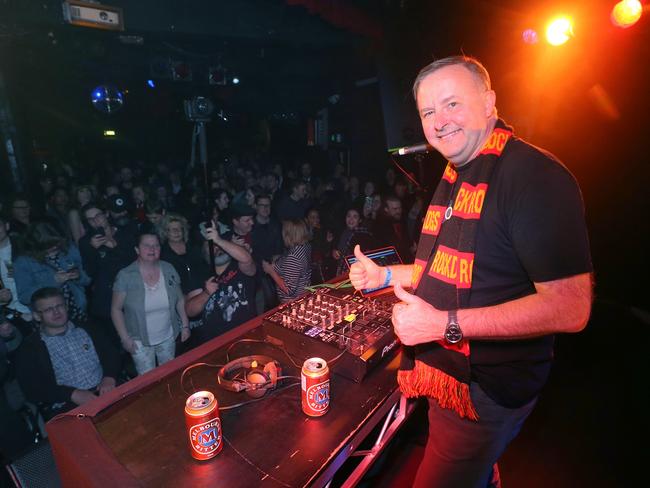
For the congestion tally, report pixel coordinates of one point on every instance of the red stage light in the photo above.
(626, 13)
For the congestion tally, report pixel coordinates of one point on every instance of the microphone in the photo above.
(417, 148)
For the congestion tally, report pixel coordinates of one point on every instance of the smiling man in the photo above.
(502, 265)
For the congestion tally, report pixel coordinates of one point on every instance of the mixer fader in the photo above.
(330, 321)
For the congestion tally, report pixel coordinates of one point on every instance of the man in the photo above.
(225, 299)
(63, 365)
(502, 264)
(267, 232)
(105, 249)
(15, 438)
(8, 293)
(20, 214)
(241, 216)
(267, 244)
(295, 205)
(390, 228)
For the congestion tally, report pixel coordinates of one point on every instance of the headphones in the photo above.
(260, 373)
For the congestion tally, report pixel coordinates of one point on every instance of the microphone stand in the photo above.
(203, 155)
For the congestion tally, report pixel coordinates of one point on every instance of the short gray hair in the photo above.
(473, 65)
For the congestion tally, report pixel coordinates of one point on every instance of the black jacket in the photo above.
(36, 374)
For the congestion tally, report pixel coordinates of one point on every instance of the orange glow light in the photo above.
(559, 31)
(626, 13)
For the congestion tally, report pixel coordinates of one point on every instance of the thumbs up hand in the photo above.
(364, 273)
(414, 320)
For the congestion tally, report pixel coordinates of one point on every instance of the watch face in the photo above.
(453, 334)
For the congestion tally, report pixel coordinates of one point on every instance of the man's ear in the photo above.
(490, 102)
(37, 316)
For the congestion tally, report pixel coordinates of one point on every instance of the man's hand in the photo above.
(98, 241)
(5, 296)
(107, 384)
(364, 273)
(211, 285)
(82, 396)
(6, 330)
(414, 320)
(61, 277)
(128, 344)
(185, 333)
(212, 233)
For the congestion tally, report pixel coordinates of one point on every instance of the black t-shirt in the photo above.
(532, 229)
(191, 267)
(231, 305)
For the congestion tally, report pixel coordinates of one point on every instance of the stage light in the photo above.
(235, 81)
(217, 75)
(110, 133)
(626, 13)
(151, 84)
(559, 31)
(530, 36)
(181, 71)
(107, 98)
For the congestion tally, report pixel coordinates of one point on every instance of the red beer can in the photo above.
(203, 425)
(315, 382)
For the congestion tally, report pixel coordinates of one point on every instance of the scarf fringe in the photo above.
(424, 380)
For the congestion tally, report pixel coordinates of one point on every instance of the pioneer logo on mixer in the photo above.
(318, 396)
(206, 437)
(389, 347)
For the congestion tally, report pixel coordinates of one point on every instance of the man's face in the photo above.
(456, 113)
(313, 219)
(263, 207)
(223, 201)
(20, 209)
(138, 194)
(300, 192)
(126, 174)
(96, 218)
(154, 218)
(243, 225)
(51, 312)
(400, 189)
(393, 209)
(59, 198)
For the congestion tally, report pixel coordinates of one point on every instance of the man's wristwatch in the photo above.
(453, 333)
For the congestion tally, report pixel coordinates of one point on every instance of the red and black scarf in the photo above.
(442, 276)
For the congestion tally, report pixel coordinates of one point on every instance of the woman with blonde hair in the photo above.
(291, 272)
(174, 232)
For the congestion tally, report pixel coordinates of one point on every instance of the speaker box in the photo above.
(36, 469)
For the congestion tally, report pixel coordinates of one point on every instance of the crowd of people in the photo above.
(103, 282)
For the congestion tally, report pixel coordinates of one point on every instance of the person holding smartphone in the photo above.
(224, 297)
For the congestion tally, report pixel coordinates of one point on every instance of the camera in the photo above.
(198, 109)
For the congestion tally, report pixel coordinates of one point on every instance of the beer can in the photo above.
(315, 383)
(203, 425)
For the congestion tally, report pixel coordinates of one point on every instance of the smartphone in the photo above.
(203, 228)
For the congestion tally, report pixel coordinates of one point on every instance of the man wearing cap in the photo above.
(242, 220)
(225, 299)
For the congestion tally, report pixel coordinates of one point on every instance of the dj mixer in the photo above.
(330, 322)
